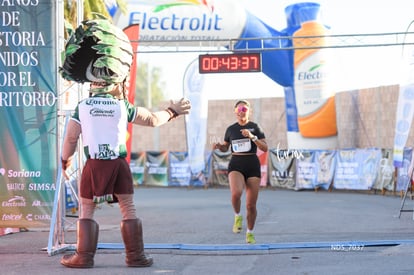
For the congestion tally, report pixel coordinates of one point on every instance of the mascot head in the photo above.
(97, 52)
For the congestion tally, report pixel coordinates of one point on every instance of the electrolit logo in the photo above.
(311, 85)
(175, 21)
(184, 20)
(314, 73)
(16, 201)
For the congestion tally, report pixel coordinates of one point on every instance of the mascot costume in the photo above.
(100, 53)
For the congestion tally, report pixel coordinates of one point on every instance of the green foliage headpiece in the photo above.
(97, 52)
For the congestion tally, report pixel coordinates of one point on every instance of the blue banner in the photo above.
(180, 172)
(403, 171)
(306, 171)
(357, 169)
(156, 168)
(326, 161)
(405, 107)
(386, 175)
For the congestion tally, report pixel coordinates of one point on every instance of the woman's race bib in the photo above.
(241, 145)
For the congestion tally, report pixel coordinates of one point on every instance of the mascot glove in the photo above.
(66, 163)
(181, 107)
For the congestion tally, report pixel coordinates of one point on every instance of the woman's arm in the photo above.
(261, 143)
(223, 147)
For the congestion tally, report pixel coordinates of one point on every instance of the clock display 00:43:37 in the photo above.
(230, 63)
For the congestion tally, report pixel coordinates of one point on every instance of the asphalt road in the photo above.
(188, 231)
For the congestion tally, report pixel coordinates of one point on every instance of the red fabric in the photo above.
(101, 179)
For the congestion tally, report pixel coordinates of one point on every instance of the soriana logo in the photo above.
(183, 20)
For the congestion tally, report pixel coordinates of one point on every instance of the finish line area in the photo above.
(190, 232)
(334, 246)
(200, 221)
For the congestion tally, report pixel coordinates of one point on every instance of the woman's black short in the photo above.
(248, 165)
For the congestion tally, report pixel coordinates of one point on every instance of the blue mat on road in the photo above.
(340, 245)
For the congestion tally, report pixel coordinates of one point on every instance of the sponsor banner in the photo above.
(315, 169)
(353, 169)
(326, 160)
(28, 107)
(179, 167)
(306, 171)
(357, 169)
(189, 21)
(310, 104)
(405, 111)
(156, 168)
(137, 165)
(386, 175)
(304, 73)
(405, 107)
(403, 172)
(282, 168)
(219, 163)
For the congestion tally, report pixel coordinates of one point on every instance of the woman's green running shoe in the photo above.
(250, 238)
(237, 226)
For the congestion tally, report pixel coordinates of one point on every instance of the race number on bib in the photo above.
(241, 145)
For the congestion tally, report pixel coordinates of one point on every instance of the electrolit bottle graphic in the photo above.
(314, 95)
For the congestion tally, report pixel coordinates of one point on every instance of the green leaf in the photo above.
(114, 52)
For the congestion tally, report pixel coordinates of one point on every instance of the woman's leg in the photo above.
(252, 194)
(236, 182)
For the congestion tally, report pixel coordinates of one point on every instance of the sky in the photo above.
(356, 67)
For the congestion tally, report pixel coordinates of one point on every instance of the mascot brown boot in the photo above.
(134, 245)
(87, 242)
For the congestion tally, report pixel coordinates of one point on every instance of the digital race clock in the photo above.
(230, 63)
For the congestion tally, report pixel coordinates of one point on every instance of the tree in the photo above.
(90, 9)
(147, 75)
